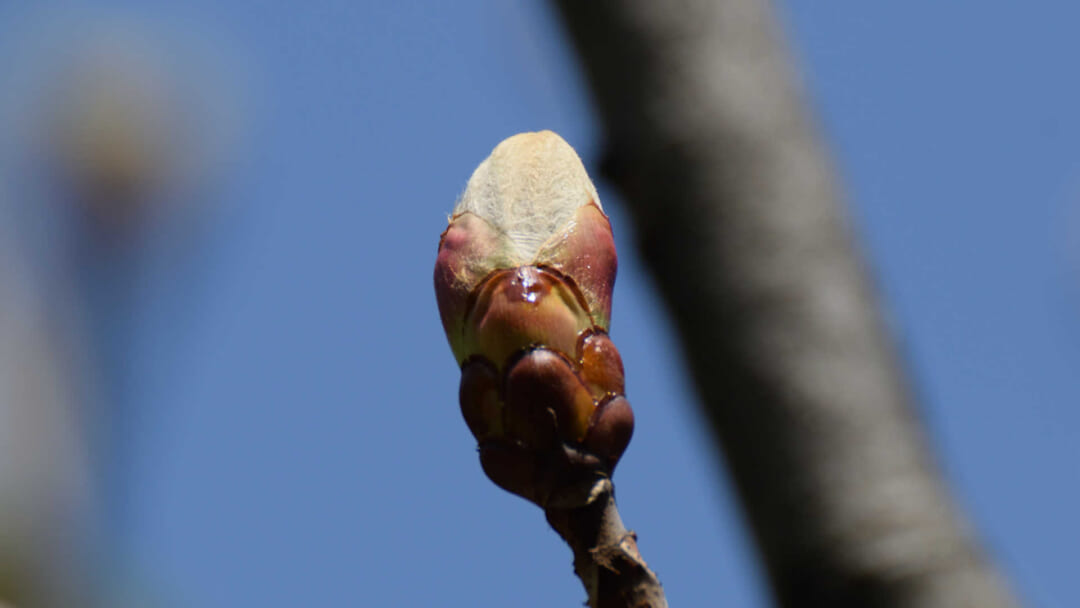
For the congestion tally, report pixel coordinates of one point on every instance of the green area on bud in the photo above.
(528, 204)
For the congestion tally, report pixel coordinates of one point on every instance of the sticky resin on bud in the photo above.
(522, 307)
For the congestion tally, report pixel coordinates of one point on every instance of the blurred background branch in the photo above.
(107, 133)
(737, 213)
(44, 479)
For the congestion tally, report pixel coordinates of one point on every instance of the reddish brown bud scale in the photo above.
(516, 469)
(611, 429)
(543, 380)
(469, 249)
(601, 365)
(480, 400)
(585, 253)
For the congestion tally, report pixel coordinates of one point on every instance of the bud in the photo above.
(528, 204)
(523, 279)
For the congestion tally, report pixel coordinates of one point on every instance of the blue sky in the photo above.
(297, 438)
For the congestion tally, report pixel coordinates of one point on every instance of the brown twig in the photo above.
(606, 556)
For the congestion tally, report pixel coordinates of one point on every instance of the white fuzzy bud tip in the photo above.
(528, 189)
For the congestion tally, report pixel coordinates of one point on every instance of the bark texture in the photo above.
(606, 556)
(738, 218)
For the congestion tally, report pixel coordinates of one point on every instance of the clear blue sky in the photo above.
(299, 441)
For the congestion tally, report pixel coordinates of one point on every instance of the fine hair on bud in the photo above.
(529, 189)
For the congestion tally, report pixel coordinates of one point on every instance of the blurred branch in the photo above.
(112, 132)
(44, 494)
(736, 206)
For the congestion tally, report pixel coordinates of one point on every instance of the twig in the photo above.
(606, 556)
